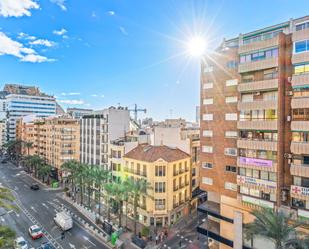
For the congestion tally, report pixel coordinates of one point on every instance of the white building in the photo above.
(98, 129)
(78, 112)
(19, 105)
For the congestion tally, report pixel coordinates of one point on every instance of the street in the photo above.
(39, 207)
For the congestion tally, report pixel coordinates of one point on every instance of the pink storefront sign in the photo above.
(255, 162)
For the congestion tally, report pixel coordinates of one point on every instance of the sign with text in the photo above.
(256, 162)
(298, 190)
(256, 182)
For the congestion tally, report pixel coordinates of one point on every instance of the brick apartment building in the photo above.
(255, 129)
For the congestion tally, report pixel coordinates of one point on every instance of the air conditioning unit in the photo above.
(257, 93)
(288, 118)
(289, 93)
(289, 79)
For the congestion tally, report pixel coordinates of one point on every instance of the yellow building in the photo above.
(167, 170)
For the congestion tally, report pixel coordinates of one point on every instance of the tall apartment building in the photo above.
(97, 130)
(167, 170)
(56, 139)
(24, 100)
(254, 129)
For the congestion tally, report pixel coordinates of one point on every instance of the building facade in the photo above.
(22, 101)
(167, 170)
(78, 112)
(254, 133)
(97, 130)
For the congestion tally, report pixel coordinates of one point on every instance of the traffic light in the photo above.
(62, 235)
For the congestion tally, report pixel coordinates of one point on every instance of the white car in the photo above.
(20, 243)
(35, 232)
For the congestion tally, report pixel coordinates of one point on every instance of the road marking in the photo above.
(44, 205)
(16, 188)
(2, 219)
(87, 239)
(72, 246)
(33, 209)
(25, 185)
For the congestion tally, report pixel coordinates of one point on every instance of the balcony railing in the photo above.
(300, 170)
(176, 173)
(176, 188)
(300, 147)
(268, 84)
(175, 205)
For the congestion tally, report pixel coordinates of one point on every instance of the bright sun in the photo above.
(196, 46)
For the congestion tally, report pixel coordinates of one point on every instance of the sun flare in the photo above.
(196, 46)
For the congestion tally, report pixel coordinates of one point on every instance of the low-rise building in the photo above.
(167, 170)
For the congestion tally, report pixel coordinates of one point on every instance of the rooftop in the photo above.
(150, 153)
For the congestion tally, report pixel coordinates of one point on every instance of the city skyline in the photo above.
(119, 59)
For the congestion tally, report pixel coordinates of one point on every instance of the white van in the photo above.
(64, 220)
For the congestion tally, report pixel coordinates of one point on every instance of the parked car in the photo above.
(139, 242)
(64, 220)
(20, 243)
(4, 161)
(35, 187)
(46, 245)
(35, 232)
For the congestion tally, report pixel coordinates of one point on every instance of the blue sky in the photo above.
(98, 53)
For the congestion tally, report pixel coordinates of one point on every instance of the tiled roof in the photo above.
(150, 153)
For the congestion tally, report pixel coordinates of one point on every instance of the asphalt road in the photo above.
(40, 207)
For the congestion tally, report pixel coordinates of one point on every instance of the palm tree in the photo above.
(36, 162)
(100, 176)
(44, 171)
(88, 180)
(137, 188)
(275, 226)
(7, 236)
(28, 145)
(71, 166)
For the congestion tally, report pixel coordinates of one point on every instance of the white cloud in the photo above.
(93, 14)
(123, 30)
(60, 32)
(17, 8)
(70, 94)
(17, 49)
(72, 101)
(25, 36)
(111, 13)
(96, 95)
(43, 42)
(60, 3)
(36, 58)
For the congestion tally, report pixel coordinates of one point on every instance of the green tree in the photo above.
(101, 177)
(45, 171)
(28, 145)
(7, 236)
(137, 189)
(275, 226)
(71, 167)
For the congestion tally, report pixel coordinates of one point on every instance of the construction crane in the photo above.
(136, 110)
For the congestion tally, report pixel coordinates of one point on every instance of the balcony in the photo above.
(175, 188)
(258, 85)
(258, 65)
(213, 209)
(300, 35)
(257, 144)
(300, 170)
(258, 125)
(253, 46)
(300, 192)
(300, 125)
(300, 102)
(256, 163)
(255, 183)
(176, 172)
(300, 57)
(175, 205)
(258, 105)
(299, 148)
(300, 79)
(256, 202)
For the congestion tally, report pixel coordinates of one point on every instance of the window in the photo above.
(271, 74)
(300, 69)
(260, 55)
(302, 26)
(233, 82)
(231, 134)
(160, 170)
(207, 180)
(160, 187)
(206, 165)
(230, 151)
(244, 190)
(208, 69)
(231, 64)
(159, 204)
(207, 149)
(208, 85)
(242, 171)
(301, 46)
(231, 99)
(207, 133)
(231, 116)
(209, 101)
(230, 168)
(230, 186)
(207, 117)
